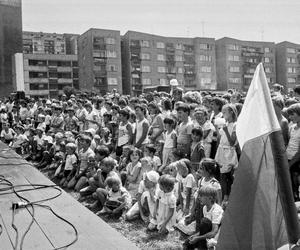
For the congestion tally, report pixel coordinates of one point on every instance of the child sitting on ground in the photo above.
(96, 181)
(209, 224)
(145, 205)
(165, 209)
(149, 151)
(70, 165)
(106, 170)
(86, 164)
(133, 175)
(117, 198)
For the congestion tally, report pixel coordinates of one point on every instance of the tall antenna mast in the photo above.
(202, 23)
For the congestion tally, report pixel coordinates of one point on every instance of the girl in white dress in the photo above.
(165, 210)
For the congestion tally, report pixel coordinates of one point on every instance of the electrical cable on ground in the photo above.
(10, 186)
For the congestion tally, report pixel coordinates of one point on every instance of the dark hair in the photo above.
(231, 107)
(297, 89)
(142, 108)
(155, 107)
(108, 115)
(102, 150)
(122, 102)
(179, 154)
(140, 153)
(167, 181)
(168, 120)
(211, 167)
(294, 109)
(115, 107)
(151, 148)
(109, 103)
(238, 107)
(125, 113)
(167, 104)
(198, 131)
(220, 102)
(184, 107)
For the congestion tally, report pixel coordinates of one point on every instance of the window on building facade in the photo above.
(163, 81)
(291, 70)
(145, 56)
(267, 50)
(146, 68)
(205, 69)
(110, 40)
(233, 47)
(161, 69)
(205, 80)
(160, 45)
(291, 60)
(179, 46)
(180, 70)
(291, 80)
(145, 43)
(112, 81)
(33, 74)
(235, 80)
(291, 50)
(178, 58)
(234, 69)
(267, 60)
(161, 57)
(205, 46)
(268, 69)
(37, 63)
(233, 58)
(38, 86)
(205, 58)
(112, 68)
(111, 54)
(146, 81)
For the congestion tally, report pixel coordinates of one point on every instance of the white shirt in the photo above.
(215, 214)
(294, 141)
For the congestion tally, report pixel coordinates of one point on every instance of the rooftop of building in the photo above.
(130, 32)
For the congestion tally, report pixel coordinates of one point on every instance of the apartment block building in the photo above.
(236, 61)
(99, 60)
(45, 75)
(10, 41)
(49, 43)
(50, 63)
(151, 60)
(288, 64)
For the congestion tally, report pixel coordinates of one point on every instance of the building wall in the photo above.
(100, 61)
(153, 60)
(10, 41)
(237, 60)
(288, 64)
(47, 75)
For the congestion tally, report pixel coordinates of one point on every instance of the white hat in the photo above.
(48, 102)
(48, 139)
(152, 176)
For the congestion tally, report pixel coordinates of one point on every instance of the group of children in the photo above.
(170, 162)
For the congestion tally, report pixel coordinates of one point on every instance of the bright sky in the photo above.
(261, 20)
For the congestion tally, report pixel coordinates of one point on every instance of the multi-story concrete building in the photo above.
(99, 60)
(45, 75)
(49, 43)
(288, 64)
(10, 41)
(236, 62)
(50, 63)
(151, 60)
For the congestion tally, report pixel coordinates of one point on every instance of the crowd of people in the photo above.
(167, 158)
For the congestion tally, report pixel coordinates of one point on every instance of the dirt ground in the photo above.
(136, 232)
